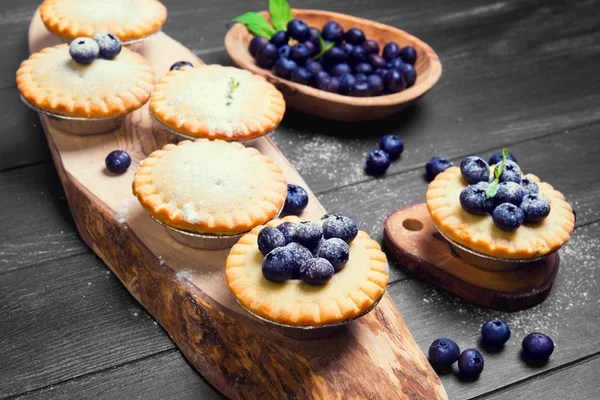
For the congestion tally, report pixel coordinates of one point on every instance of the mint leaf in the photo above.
(281, 14)
(323, 47)
(232, 86)
(492, 188)
(256, 23)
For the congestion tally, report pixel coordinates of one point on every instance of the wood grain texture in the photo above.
(335, 106)
(185, 290)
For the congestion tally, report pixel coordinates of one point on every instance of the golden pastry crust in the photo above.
(195, 102)
(211, 187)
(127, 19)
(353, 290)
(50, 80)
(478, 232)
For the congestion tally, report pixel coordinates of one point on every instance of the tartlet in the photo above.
(210, 187)
(350, 293)
(217, 102)
(51, 81)
(478, 232)
(129, 20)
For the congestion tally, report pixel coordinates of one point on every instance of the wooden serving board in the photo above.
(411, 236)
(185, 288)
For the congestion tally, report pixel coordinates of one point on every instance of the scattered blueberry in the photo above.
(357, 55)
(470, 363)
(308, 234)
(496, 158)
(336, 55)
(278, 265)
(535, 208)
(299, 53)
(267, 55)
(392, 145)
(378, 161)
(316, 271)
(300, 75)
(409, 72)
(256, 44)
(347, 81)
(443, 352)
(529, 185)
(118, 161)
(495, 332)
(537, 346)
(364, 68)
(268, 239)
(280, 38)
(180, 64)
(84, 50)
(509, 192)
(289, 230)
(313, 67)
(473, 200)
(298, 30)
(394, 81)
(436, 165)
(109, 44)
(338, 226)
(296, 200)
(334, 250)
(474, 169)
(354, 36)
(390, 51)
(300, 255)
(283, 67)
(508, 217)
(371, 46)
(359, 89)
(340, 69)
(333, 32)
(376, 61)
(408, 55)
(511, 172)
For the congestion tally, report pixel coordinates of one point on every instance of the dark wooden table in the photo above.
(522, 74)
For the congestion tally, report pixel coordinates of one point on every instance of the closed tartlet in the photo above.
(51, 81)
(217, 102)
(127, 19)
(210, 186)
(478, 232)
(351, 292)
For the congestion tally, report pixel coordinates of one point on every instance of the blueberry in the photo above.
(320, 80)
(313, 36)
(347, 47)
(256, 44)
(268, 239)
(470, 363)
(537, 346)
(395, 63)
(333, 85)
(474, 169)
(364, 68)
(390, 51)
(312, 49)
(267, 55)
(378, 161)
(472, 199)
(360, 78)
(511, 172)
(296, 200)
(371, 46)
(495, 332)
(289, 230)
(394, 81)
(436, 165)
(84, 50)
(357, 55)
(118, 161)
(180, 64)
(300, 75)
(340, 69)
(443, 352)
(334, 250)
(535, 208)
(308, 234)
(354, 36)
(284, 51)
(299, 53)
(336, 55)
(508, 217)
(109, 44)
(376, 61)
(347, 81)
(339, 226)
(496, 158)
(333, 32)
(408, 54)
(392, 145)
(313, 67)
(375, 83)
(278, 265)
(300, 255)
(298, 30)
(280, 38)
(381, 72)
(359, 89)
(529, 185)
(509, 192)
(316, 271)
(284, 67)
(409, 72)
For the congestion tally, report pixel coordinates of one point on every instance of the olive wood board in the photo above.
(413, 239)
(185, 288)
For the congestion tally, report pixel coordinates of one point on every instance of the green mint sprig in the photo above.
(280, 12)
(493, 187)
(324, 48)
(232, 86)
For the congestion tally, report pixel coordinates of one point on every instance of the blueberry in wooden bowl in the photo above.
(338, 106)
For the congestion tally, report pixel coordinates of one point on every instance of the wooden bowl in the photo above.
(336, 106)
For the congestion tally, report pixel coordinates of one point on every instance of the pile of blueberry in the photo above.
(444, 352)
(516, 201)
(437, 165)
(307, 250)
(379, 160)
(336, 61)
(84, 50)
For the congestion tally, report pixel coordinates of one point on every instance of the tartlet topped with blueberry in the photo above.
(498, 211)
(307, 272)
